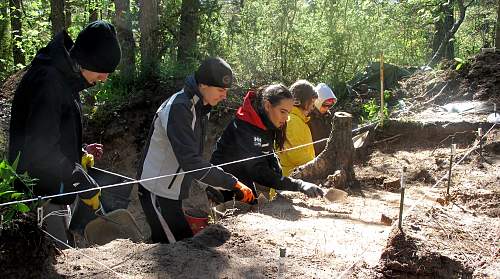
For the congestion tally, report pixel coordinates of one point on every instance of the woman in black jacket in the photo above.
(258, 127)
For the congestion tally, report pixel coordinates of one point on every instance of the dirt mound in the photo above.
(9, 86)
(21, 243)
(483, 77)
(485, 202)
(477, 79)
(7, 90)
(404, 258)
(212, 236)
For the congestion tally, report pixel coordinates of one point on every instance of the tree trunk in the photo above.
(189, 26)
(57, 16)
(442, 27)
(67, 13)
(93, 11)
(439, 52)
(5, 51)
(123, 25)
(148, 24)
(337, 156)
(497, 35)
(16, 32)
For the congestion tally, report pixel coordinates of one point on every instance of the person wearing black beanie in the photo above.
(97, 51)
(175, 146)
(46, 117)
(96, 48)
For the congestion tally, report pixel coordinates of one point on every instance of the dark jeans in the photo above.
(172, 212)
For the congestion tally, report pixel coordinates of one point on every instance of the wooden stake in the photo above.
(39, 212)
(382, 87)
(480, 135)
(453, 147)
(402, 200)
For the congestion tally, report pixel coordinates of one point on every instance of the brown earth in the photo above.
(25, 251)
(477, 80)
(326, 240)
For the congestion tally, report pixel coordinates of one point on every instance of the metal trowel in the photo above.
(335, 195)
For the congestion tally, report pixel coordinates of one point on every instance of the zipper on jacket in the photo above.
(173, 179)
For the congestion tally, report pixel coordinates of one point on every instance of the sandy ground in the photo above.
(325, 240)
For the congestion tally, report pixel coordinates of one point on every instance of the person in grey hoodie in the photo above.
(175, 145)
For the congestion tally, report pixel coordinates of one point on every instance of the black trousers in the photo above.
(172, 212)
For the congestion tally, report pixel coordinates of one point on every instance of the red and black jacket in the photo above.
(251, 134)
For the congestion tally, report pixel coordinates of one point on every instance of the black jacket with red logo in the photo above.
(249, 135)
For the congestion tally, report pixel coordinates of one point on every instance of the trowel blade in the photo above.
(359, 140)
(333, 195)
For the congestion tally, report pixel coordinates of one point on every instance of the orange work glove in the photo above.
(248, 196)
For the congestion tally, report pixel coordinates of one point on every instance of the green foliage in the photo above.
(371, 111)
(459, 63)
(107, 97)
(477, 30)
(7, 192)
(274, 40)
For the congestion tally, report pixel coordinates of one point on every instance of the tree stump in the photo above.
(337, 156)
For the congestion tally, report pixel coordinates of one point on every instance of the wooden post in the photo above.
(382, 87)
(453, 147)
(480, 136)
(402, 200)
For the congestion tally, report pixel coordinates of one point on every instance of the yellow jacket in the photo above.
(297, 133)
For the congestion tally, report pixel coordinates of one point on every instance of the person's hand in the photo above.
(309, 189)
(247, 193)
(87, 161)
(95, 149)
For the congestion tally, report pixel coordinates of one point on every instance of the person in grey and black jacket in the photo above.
(175, 145)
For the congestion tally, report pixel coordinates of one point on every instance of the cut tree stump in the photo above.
(337, 156)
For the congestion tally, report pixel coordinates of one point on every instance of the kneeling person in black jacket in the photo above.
(259, 125)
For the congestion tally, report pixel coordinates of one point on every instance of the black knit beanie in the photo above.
(214, 72)
(96, 48)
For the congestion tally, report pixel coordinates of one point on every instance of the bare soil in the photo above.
(324, 240)
(25, 251)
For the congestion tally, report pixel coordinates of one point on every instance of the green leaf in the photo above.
(21, 207)
(16, 162)
(16, 196)
(6, 192)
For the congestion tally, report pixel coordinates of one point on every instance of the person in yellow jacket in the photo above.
(297, 130)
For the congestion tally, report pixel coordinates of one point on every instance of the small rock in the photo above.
(384, 219)
(392, 185)
(415, 227)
